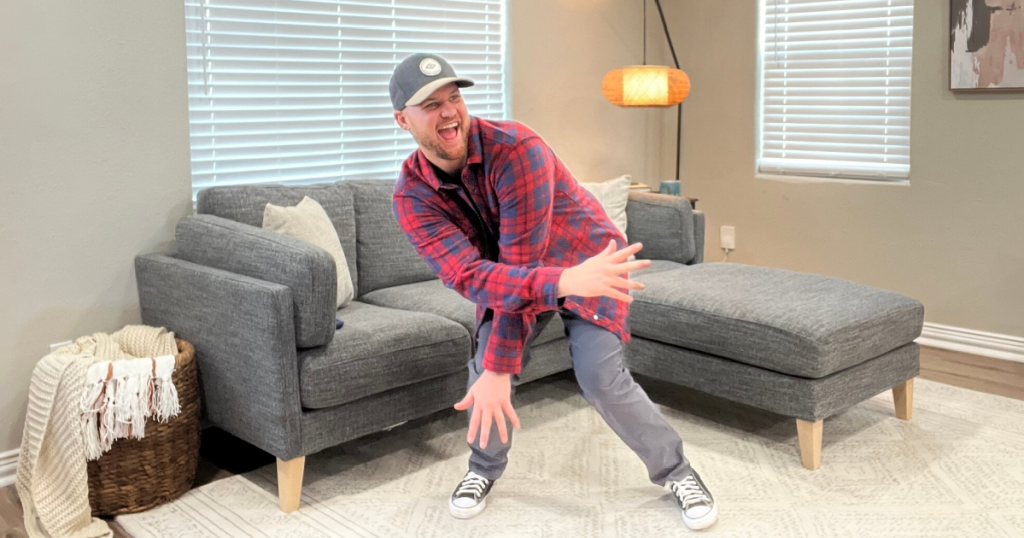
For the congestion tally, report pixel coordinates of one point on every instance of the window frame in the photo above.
(759, 126)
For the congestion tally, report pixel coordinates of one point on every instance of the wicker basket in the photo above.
(138, 474)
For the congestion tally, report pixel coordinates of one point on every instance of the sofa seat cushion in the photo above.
(433, 297)
(786, 321)
(379, 349)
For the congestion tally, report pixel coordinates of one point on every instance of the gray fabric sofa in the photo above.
(259, 309)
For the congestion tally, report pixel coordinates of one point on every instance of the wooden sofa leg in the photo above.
(289, 483)
(810, 443)
(903, 394)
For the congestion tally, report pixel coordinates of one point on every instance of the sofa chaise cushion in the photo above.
(785, 321)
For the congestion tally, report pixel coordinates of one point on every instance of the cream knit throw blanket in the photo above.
(71, 419)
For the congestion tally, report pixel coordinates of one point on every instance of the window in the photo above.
(296, 91)
(835, 88)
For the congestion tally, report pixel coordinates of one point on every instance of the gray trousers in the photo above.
(604, 382)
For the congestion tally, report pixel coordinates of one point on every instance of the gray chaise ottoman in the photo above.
(796, 344)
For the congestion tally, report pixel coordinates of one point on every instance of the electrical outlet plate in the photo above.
(727, 238)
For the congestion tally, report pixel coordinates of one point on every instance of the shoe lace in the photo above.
(689, 492)
(472, 484)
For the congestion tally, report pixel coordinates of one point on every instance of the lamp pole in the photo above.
(679, 114)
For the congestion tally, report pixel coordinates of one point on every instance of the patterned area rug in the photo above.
(955, 470)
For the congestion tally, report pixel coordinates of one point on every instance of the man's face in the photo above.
(440, 124)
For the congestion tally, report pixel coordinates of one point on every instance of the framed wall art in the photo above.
(986, 45)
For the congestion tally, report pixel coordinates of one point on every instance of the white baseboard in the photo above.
(8, 467)
(997, 346)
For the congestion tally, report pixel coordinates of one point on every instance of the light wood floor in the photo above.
(223, 456)
(1005, 378)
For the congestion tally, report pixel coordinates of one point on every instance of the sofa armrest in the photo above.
(664, 224)
(307, 270)
(698, 237)
(244, 338)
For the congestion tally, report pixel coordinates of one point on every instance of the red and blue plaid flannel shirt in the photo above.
(541, 222)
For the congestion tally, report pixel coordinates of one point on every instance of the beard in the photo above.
(432, 141)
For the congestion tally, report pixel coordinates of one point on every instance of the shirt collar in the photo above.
(476, 146)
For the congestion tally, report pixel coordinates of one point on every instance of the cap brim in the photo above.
(433, 85)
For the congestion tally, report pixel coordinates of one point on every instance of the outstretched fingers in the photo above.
(485, 427)
(499, 419)
(510, 412)
(623, 254)
(474, 424)
(622, 283)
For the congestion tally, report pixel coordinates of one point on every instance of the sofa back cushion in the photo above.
(385, 256)
(245, 204)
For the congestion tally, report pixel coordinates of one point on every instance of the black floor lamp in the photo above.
(652, 86)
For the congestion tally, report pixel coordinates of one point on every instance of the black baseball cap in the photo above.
(420, 75)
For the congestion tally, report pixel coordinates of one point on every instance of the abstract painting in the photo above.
(986, 44)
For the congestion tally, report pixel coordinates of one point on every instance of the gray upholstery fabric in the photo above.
(790, 322)
(245, 203)
(433, 297)
(698, 238)
(379, 349)
(797, 344)
(245, 346)
(386, 258)
(247, 250)
(664, 224)
(324, 428)
(807, 399)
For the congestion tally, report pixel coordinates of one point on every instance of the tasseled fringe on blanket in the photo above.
(119, 396)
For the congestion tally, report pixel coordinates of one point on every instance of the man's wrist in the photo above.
(565, 282)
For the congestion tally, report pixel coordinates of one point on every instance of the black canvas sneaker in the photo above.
(695, 501)
(470, 497)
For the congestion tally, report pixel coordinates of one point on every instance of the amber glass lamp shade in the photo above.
(645, 85)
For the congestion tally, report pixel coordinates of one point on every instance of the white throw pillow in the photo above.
(309, 222)
(613, 196)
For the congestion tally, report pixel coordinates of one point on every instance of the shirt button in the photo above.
(596, 317)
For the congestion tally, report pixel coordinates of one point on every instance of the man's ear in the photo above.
(400, 119)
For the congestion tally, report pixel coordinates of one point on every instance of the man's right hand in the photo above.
(599, 275)
(491, 398)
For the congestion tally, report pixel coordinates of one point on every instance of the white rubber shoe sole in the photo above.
(702, 522)
(466, 513)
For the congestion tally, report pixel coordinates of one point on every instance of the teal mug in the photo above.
(670, 187)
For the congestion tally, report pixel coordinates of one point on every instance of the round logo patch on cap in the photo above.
(430, 67)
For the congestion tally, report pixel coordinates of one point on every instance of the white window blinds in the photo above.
(297, 90)
(835, 88)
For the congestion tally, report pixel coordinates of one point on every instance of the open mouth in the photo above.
(449, 131)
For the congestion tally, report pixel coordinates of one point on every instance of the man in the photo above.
(501, 220)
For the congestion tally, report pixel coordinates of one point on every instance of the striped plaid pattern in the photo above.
(504, 241)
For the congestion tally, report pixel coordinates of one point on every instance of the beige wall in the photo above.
(953, 238)
(94, 168)
(560, 52)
